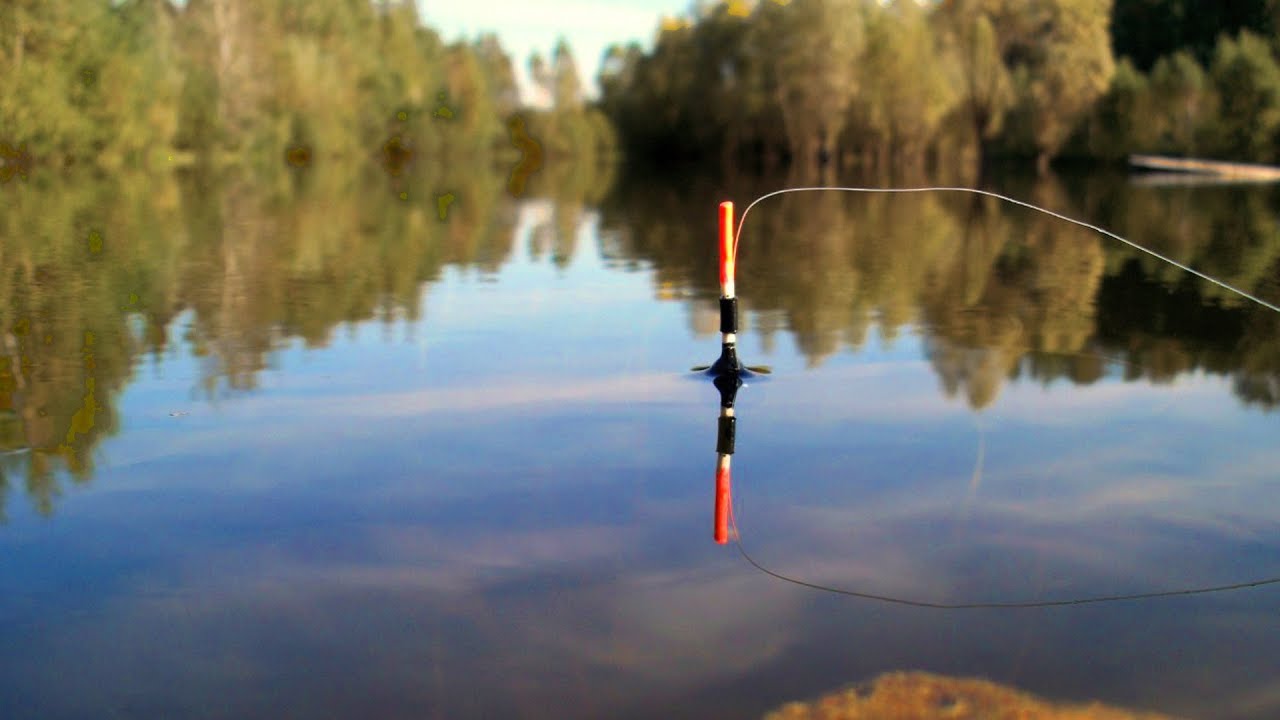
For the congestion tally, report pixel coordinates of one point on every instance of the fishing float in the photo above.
(728, 363)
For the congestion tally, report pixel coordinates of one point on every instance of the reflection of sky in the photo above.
(507, 506)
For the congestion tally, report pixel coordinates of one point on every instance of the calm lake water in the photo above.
(319, 451)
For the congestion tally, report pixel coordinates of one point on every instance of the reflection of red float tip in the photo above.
(722, 500)
(726, 249)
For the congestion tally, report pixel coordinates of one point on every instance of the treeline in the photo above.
(150, 82)
(1229, 108)
(903, 82)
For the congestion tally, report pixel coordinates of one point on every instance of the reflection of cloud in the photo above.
(1191, 397)
(902, 392)
(1096, 537)
(458, 624)
(267, 423)
(890, 392)
(657, 387)
(453, 594)
(483, 616)
(1086, 490)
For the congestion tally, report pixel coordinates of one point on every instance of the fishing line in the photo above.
(1103, 231)
(737, 539)
(1025, 604)
(1011, 605)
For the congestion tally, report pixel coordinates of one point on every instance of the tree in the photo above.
(619, 86)
(499, 73)
(906, 91)
(722, 99)
(1247, 80)
(985, 85)
(814, 45)
(122, 82)
(1180, 95)
(134, 103)
(45, 52)
(543, 78)
(1121, 121)
(1071, 69)
(475, 124)
(566, 84)
(1147, 30)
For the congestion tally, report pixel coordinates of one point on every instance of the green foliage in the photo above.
(499, 74)
(1182, 102)
(983, 81)
(127, 82)
(814, 79)
(1148, 30)
(568, 128)
(1247, 80)
(1071, 69)
(117, 83)
(815, 46)
(899, 82)
(1121, 121)
(566, 84)
(46, 59)
(907, 87)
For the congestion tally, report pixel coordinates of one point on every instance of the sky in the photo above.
(524, 26)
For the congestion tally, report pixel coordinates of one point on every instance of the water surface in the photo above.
(318, 452)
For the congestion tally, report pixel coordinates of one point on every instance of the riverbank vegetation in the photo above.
(269, 83)
(750, 83)
(905, 83)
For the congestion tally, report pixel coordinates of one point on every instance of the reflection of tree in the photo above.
(1152, 323)
(998, 291)
(65, 347)
(273, 269)
(94, 275)
(1026, 283)
(1165, 322)
(806, 239)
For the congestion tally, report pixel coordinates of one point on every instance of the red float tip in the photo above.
(726, 248)
(722, 501)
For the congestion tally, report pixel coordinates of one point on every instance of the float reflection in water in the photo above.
(726, 432)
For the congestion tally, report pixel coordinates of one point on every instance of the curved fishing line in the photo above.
(1015, 605)
(1103, 231)
(1027, 604)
